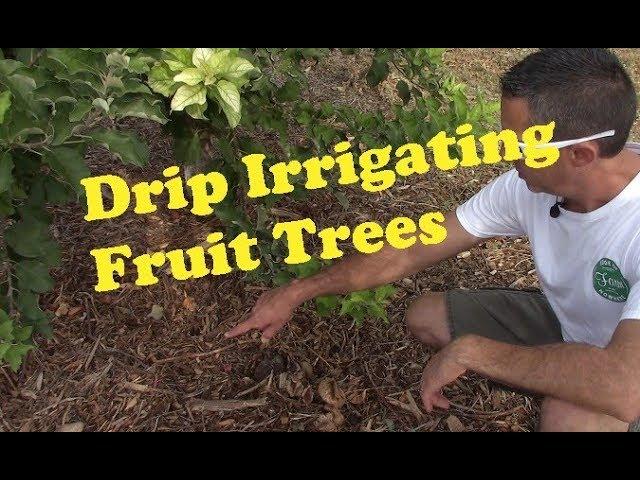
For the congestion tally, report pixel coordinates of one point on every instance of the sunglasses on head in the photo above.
(566, 143)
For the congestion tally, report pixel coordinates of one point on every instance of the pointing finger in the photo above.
(241, 328)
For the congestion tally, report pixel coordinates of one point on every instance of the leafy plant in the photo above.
(357, 305)
(191, 75)
(56, 102)
(51, 109)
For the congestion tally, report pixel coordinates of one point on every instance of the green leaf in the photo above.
(188, 95)
(130, 85)
(187, 149)
(303, 270)
(6, 208)
(182, 55)
(236, 71)
(141, 64)
(124, 107)
(378, 71)
(3, 349)
(403, 91)
(76, 60)
(6, 327)
(80, 110)
(196, 111)
(6, 167)
(28, 306)
(15, 354)
(384, 292)
(22, 334)
(190, 76)
(69, 164)
(289, 92)
(52, 254)
(326, 305)
(56, 192)
(126, 146)
(53, 92)
(210, 61)
(21, 88)
(5, 103)
(281, 278)
(161, 80)
(62, 127)
(34, 275)
(118, 60)
(9, 66)
(27, 237)
(228, 96)
(101, 103)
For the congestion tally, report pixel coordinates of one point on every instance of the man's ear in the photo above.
(583, 154)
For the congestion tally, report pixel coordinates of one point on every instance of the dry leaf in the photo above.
(454, 424)
(329, 422)
(71, 427)
(307, 369)
(330, 393)
(156, 312)
(62, 310)
(75, 310)
(226, 423)
(358, 397)
(190, 304)
(131, 403)
(307, 395)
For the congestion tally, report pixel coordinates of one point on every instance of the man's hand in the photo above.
(273, 309)
(443, 369)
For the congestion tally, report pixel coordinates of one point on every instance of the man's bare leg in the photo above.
(427, 320)
(560, 416)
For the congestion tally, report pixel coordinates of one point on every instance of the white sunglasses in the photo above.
(566, 143)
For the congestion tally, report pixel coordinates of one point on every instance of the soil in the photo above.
(113, 366)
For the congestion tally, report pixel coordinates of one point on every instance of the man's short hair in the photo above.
(584, 90)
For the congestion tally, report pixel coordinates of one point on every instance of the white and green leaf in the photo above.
(188, 95)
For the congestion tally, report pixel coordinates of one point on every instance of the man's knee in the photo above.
(426, 318)
(560, 416)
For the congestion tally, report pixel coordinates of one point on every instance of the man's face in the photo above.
(553, 179)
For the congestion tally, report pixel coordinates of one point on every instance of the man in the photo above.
(578, 343)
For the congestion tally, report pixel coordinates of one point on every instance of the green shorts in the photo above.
(521, 317)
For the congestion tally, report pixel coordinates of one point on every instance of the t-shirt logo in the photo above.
(609, 282)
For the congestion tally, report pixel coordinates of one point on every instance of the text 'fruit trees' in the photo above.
(371, 169)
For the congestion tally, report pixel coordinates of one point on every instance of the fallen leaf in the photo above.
(190, 304)
(330, 393)
(226, 423)
(307, 395)
(131, 403)
(454, 424)
(75, 310)
(329, 422)
(136, 387)
(357, 397)
(156, 312)
(71, 427)
(62, 310)
(307, 368)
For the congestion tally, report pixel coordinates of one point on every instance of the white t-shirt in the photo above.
(588, 264)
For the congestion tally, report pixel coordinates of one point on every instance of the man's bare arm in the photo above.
(356, 272)
(602, 379)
